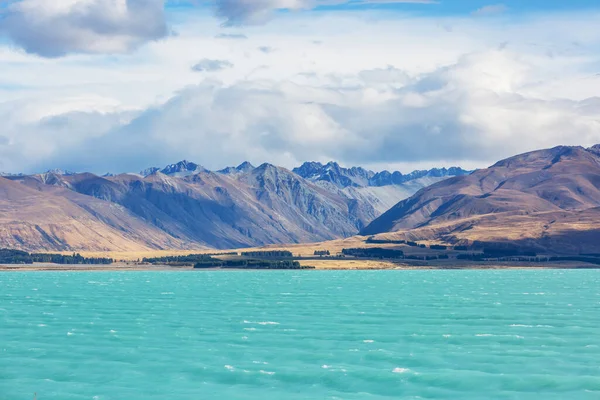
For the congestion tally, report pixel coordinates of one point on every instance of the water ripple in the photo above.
(349, 335)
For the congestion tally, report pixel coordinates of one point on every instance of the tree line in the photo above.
(375, 252)
(268, 253)
(372, 240)
(500, 253)
(251, 264)
(189, 259)
(427, 258)
(8, 256)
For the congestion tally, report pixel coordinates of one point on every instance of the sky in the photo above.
(122, 85)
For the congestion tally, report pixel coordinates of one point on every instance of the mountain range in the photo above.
(548, 200)
(186, 206)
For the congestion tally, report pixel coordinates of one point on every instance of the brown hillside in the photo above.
(545, 198)
(59, 219)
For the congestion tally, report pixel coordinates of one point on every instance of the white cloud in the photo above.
(492, 9)
(239, 12)
(208, 65)
(233, 36)
(375, 91)
(266, 49)
(53, 28)
(466, 111)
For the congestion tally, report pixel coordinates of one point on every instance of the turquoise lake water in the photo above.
(510, 334)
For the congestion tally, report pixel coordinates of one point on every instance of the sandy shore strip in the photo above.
(79, 267)
(348, 265)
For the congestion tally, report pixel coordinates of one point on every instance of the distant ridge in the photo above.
(60, 172)
(359, 177)
(183, 168)
(311, 170)
(180, 169)
(243, 167)
(149, 171)
(396, 178)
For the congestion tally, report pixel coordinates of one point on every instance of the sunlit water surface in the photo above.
(300, 335)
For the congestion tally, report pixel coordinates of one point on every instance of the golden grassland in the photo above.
(513, 228)
(126, 260)
(301, 250)
(351, 265)
(318, 264)
(568, 230)
(504, 227)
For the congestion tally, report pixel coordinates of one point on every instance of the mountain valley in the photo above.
(186, 206)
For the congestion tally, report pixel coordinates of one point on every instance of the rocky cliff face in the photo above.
(380, 190)
(359, 177)
(386, 178)
(332, 172)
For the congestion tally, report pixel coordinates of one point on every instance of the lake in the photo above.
(259, 335)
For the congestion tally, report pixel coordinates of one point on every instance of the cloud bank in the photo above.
(58, 27)
(240, 12)
(54, 28)
(404, 93)
(464, 111)
(208, 65)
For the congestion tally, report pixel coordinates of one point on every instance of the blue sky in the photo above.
(451, 7)
(463, 7)
(112, 86)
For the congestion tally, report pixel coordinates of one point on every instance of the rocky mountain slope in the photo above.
(342, 177)
(548, 199)
(382, 190)
(39, 216)
(184, 206)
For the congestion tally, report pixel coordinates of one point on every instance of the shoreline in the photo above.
(354, 265)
